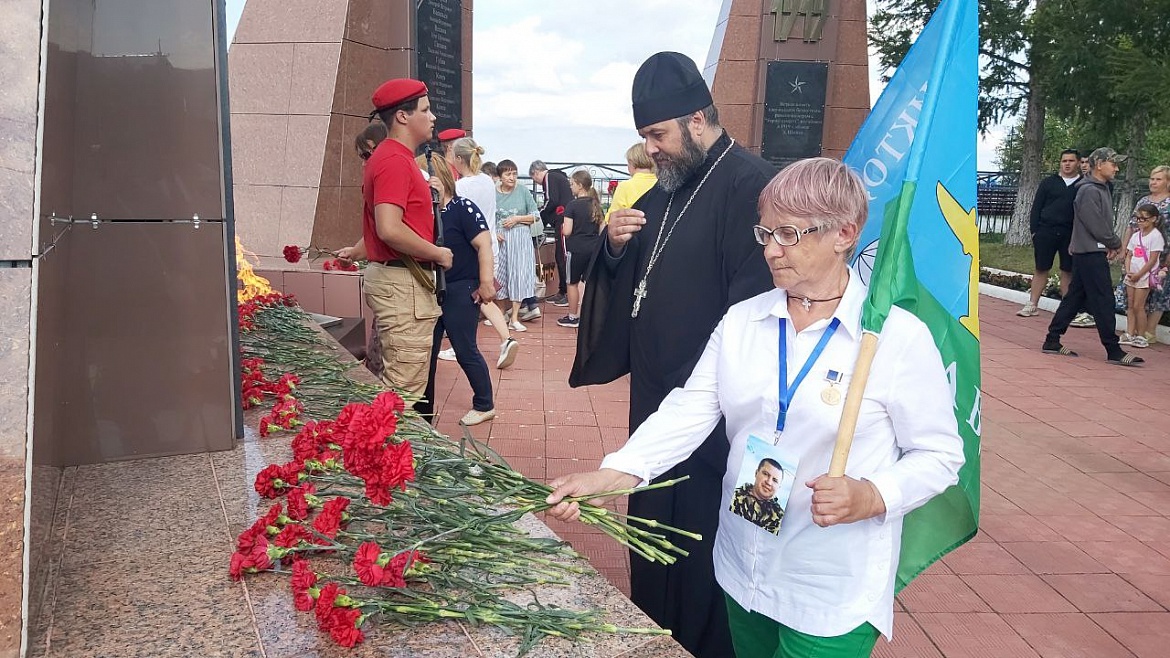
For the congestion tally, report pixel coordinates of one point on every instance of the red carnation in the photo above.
(269, 482)
(292, 253)
(251, 559)
(402, 563)
(325, 599)
(560, 210)
(365, 564)
(259, 528)
(303, 578)
(290, 473)
(613, 183)
(328, 522)
(343, 627)
(292, 535)
(298, 507)
(303, 600)
(390, 400)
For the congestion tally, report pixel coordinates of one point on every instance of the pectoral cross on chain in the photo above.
(639, 295)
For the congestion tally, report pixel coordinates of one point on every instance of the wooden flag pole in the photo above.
(869, 343)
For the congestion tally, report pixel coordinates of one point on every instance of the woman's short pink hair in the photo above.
(821, 189)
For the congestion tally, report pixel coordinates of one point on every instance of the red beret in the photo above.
(450, 134)
(398, 91)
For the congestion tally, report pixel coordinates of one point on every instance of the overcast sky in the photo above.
(552, 79)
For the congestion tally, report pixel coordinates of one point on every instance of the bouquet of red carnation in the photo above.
(613, 183)
(339, 265)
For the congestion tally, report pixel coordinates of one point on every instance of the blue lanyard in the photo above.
(786, 393)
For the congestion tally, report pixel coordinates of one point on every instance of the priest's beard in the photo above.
(675, 170)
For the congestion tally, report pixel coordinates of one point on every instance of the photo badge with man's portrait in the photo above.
(765, 480)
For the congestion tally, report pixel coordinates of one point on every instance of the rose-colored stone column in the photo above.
(745, 42)
(301, 74)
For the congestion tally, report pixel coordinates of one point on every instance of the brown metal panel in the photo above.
(147, 116)
(343, 295)
(145, 353)
(308, 288)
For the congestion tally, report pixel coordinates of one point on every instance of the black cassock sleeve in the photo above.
(603, 338)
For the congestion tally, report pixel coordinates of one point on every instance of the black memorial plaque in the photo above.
(794, 111)
(440, 59)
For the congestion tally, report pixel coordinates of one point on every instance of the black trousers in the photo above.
(1091, 288)
(536, 242)
(562, 273)
(460, 320)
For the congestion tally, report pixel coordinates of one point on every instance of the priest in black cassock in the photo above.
(666, 273)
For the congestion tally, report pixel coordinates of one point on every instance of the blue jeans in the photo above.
(460, 320)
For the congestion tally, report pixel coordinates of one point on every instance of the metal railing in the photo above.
(995, 199)
(995, 190)
(601, 173)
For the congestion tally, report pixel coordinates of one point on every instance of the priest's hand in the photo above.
(579, 485)
(844, 500)
(623, 224)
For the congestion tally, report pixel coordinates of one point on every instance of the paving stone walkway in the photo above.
(1073, 555)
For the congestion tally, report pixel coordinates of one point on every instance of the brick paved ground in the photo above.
(1073, 555)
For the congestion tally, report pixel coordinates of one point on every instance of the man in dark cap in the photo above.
(668, 270)
(1093, 245)
(398, 234)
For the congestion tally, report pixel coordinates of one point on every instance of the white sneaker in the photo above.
(1028, 311)
(1140, 341)
(474, 417)
(516, 326)
(508, 353)
(447, 354)
(528, 315)
(487, 323)
(1125, 339)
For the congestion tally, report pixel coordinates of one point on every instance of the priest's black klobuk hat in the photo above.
(667, 86)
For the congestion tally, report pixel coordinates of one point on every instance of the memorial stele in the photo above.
(301, 76)
(791, 77)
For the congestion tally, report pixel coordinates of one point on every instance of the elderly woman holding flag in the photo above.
(807, 558)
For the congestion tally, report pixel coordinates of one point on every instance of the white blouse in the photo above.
(820, 581)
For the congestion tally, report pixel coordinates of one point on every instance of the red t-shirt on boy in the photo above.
(392, 176)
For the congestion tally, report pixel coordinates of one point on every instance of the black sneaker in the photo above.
(569, 321)
(558, 300)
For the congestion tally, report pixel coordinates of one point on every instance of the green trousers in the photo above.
(755, 636)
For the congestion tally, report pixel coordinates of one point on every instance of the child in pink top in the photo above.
(1142, 255)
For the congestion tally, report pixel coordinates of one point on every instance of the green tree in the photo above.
(1008, 80)
(1108, 69)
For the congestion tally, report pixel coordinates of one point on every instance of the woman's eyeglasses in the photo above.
(785, 236)
(1143, 218)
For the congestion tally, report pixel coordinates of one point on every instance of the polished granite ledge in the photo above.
(142, 571)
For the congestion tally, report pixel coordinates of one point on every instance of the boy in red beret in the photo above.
(398, 234)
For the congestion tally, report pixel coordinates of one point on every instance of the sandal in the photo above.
(1128, 360)
(1059, 349)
